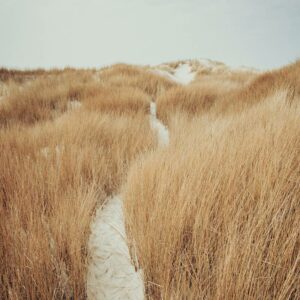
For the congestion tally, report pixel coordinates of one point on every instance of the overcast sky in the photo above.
(93, 33)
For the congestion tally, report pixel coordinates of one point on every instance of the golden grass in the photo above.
(42, 100)
(19, 76)
(47, 98)
(22, 76)
(136, 77)
(121, 100)
(225, 77)
(53, 176)
(260, 87)
(191, 99)
(227, 91)
(216, 214)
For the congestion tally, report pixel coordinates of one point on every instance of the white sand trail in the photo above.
(158, 126)
(111, 271)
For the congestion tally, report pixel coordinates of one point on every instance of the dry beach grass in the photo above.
(57, 165)
(214, 215)
(217, 216)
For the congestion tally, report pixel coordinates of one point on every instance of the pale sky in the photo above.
(93, 33)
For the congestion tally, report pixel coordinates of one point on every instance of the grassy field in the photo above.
(214, 215)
